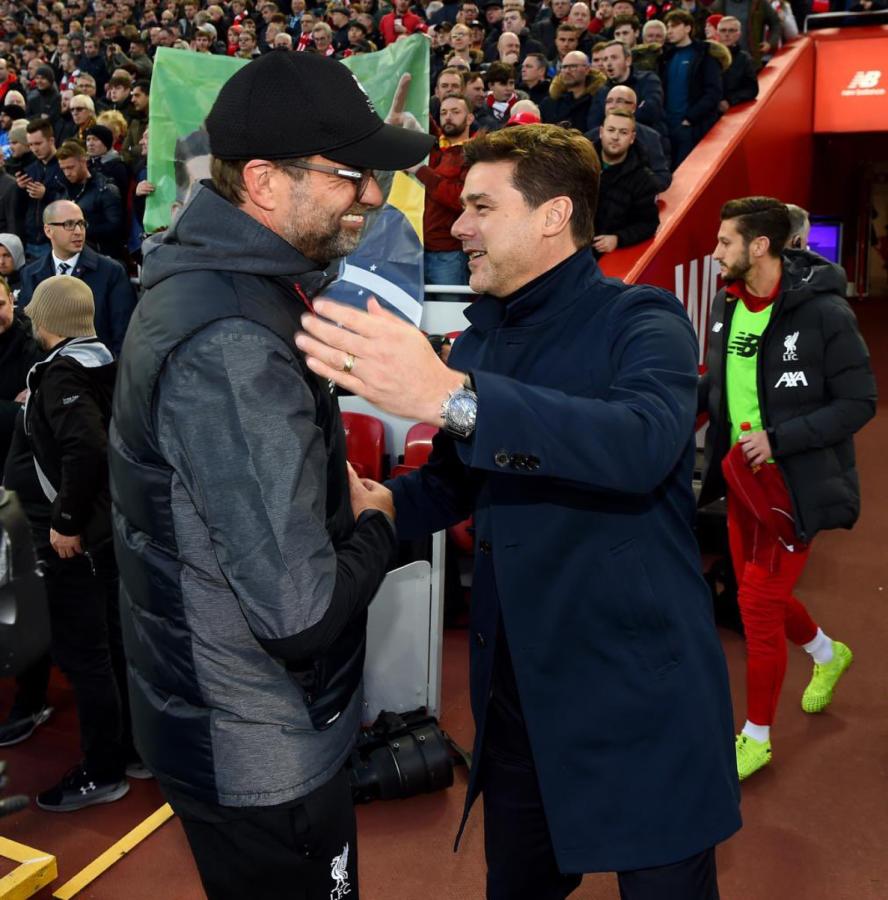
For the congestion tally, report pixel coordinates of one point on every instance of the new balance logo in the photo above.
(865, 84)
(792, 379)
(745, 344)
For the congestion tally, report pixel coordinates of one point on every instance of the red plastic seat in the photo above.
(418, 445)
(365, 444)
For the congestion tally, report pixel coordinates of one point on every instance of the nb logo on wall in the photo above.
(865, 84)
(696, 292)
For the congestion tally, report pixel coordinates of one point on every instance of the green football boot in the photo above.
(752, 755)
(819, 692)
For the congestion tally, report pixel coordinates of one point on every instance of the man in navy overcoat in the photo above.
(604, 733)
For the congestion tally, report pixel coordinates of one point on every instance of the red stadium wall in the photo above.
(764, 147)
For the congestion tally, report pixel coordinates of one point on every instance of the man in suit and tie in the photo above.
(115, 299)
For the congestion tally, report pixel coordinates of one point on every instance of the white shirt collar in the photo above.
(72, 262)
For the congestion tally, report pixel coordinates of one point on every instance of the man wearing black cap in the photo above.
(104, 159)
(45, 99)
(248, 553)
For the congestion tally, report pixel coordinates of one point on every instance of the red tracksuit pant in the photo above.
(766, 575)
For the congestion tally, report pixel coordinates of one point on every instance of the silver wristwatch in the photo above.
(458, 412)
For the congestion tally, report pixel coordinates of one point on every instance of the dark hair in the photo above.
(124, 79)
(566, 26)
(499, 73)
(550, 161)
(760, 217)
(682, 16)
(540, 58)
(144, 85)
(43, 125)
(228, 177)
(627, 20)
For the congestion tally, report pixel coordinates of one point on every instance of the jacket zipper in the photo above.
(760, 390)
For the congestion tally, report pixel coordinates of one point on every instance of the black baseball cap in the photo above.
(285, 105)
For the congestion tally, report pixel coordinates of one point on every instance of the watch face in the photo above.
(461, 411)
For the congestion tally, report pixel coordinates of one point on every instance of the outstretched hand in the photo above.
(378, 356)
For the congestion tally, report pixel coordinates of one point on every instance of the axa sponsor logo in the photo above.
(697, 290)
(791, 380)
(865, 84)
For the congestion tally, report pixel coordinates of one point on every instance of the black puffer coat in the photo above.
(816, 389)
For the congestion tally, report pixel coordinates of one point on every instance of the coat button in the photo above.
(518, 461)
(533, 463)
(501, 458)
(480, 639)
(484, 546)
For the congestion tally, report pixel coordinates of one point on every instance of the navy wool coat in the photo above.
(579, 477)
(113, 293)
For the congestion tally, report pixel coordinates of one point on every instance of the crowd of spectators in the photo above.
(75, 82)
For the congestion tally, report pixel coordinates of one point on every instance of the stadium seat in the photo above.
(365, 444)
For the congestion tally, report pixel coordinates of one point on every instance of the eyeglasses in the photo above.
(70, 224)
(360, 179)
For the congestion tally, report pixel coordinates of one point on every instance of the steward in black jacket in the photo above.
(66, 418)
(627, 200)
(816, 389)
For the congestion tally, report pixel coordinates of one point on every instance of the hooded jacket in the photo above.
(245, 579)
(815, 387)
(66, 420)
(562, 107)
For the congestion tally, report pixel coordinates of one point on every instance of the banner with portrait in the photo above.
(388, 262)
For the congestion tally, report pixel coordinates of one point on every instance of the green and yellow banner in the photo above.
(388, 262)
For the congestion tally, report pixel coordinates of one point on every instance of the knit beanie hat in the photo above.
(13, 244)
(15, 98)
(45, 72)
(64, 306)
(105, 135)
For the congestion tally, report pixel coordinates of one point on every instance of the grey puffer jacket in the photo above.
(245, 579)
